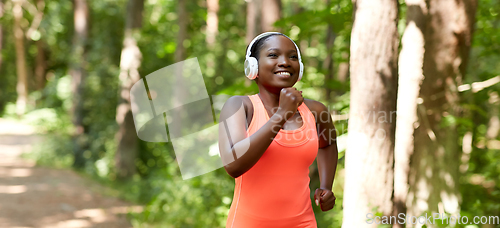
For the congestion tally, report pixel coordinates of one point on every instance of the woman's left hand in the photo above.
(324, 198)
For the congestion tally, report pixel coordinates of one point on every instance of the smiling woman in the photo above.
(267, 142)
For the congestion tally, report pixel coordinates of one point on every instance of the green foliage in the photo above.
(204, 201)
(482, 197)
(55, 151)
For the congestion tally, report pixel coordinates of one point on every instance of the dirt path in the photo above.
(33, 196)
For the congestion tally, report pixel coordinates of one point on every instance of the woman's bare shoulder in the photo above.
(237, 101)
(234, 103)
(315, 106)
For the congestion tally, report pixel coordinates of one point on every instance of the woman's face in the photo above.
(278, 63)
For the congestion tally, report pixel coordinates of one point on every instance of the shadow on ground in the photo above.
(34, 196)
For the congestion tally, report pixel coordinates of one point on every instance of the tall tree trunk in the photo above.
(329, 63)
(253, 19)
(212, 21)
(40, 65)
(40, 61)
(212, 31)
(1, 32)
(434, 168)
(271, 12)
(22, 73)
(180, 55)
(254, 27)
(494, 122)
(180, 51)
(261, 15)
(343, 68)
(411, 61)
(130, 62)
(370, 150)
(77, 72)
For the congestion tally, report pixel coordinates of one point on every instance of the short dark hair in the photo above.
(257, 45)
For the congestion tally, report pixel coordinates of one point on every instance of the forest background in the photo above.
(67, 66)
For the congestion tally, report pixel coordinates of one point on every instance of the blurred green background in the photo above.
(69, 64)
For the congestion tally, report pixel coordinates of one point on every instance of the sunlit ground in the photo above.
(33, 196)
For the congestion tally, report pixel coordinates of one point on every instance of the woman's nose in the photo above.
(283, 61)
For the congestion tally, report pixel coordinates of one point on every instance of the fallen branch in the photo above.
(478, 86)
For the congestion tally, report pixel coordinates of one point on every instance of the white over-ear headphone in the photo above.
(251, 64)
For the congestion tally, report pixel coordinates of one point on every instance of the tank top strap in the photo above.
(256, 103)
(259, 114)
(307, 115)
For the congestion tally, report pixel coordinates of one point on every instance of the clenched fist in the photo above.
(290, 100)
(324, 198)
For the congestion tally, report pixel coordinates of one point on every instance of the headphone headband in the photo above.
(249, 49)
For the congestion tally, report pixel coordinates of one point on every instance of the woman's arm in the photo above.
(240, 152)
(327, 165)
(327, 156)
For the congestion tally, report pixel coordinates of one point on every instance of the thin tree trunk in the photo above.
(253, 19)
(40, 61)
(343, 69)
(180, 51)
(434, 169)
(297, 8)
(494, 122)
(180, 55)
(212, 21)
(40, 65)
(329, 62)
(220, 65)
(370, 150)
(22, 73)
(271, 12)
(411, 61)
(78, 74)
(254, 26)
(130, 62)
(261, 15)
(343, 66)
(212, 32)
(1, 32)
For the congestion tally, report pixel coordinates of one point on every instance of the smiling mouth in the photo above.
(284, 74)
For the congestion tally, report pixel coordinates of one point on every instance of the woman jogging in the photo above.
(268, 141)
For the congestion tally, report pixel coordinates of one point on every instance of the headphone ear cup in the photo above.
(301, 71)
(251, 68)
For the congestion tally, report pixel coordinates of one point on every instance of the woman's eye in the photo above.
(294, 57)
(272, 55)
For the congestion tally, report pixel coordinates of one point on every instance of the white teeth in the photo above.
(284, 73)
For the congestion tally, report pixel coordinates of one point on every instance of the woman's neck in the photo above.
(271, 99)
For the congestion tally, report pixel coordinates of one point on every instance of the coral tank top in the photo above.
(275, 192)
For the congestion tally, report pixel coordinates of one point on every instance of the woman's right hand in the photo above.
(290, 100)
